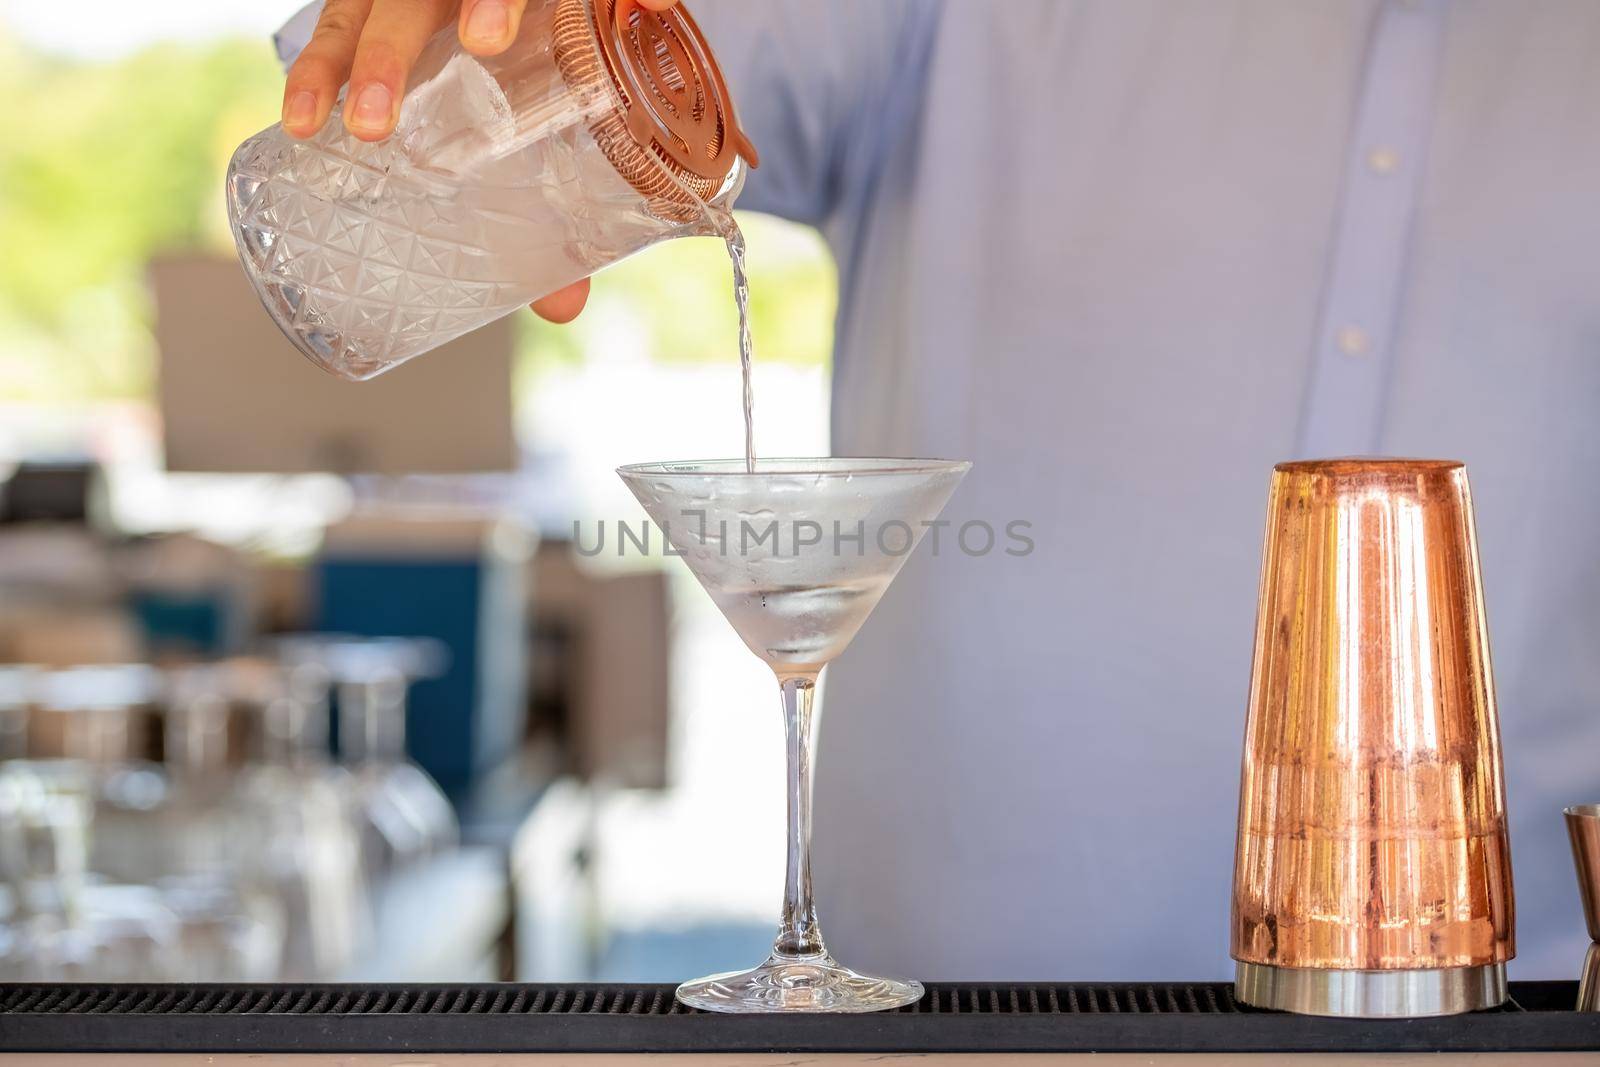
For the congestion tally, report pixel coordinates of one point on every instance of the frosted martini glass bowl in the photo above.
(796, 555)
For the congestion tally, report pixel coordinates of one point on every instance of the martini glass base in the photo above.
(798, 983)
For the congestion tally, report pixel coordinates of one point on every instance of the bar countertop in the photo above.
(449, 1024)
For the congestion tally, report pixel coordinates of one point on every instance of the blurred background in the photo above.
(308, 680)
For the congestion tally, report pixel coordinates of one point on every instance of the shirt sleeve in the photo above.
(804, 79)
(295, 34)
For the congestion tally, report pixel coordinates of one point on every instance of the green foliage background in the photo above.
(104, 164)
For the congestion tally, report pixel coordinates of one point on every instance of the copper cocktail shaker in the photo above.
(1372, 875)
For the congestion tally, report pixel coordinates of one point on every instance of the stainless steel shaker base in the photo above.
(1371, 994)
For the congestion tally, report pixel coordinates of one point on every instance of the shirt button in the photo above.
(1353, 341)
(1383, 160)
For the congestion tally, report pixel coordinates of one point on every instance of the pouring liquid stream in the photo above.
(734, 239)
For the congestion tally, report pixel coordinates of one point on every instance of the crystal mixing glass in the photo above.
(796, 555)
(602, 130)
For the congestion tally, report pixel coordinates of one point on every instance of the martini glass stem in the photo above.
(799, 935)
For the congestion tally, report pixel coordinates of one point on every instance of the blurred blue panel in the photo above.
(464, 723)
(183, 624)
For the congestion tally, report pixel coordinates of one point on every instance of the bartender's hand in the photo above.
(372, 45)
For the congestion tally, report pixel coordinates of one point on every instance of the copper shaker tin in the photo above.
(1372, 875)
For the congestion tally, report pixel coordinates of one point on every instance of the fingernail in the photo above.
(301, 110)
(373, 107)
(488, 22)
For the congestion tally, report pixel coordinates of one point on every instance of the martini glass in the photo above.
(796, 554)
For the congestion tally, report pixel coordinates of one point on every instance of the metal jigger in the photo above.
(1373, 874)
(1583, 829)
(1589, 981)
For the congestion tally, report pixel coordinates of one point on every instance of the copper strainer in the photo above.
(670, 130)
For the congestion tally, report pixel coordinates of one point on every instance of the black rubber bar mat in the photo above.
(952, 1017)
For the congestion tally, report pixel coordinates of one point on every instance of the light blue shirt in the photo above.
(1125, 255)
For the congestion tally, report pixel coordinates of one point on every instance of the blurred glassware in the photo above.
(200, 867)
(93, 713)
(301, 817)
(44, 813)
(98, 716)
(18, 687)
(186, 832)
(406, 816)
(228, 933)
(201, 818)
(62, 925)
(133, 935)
